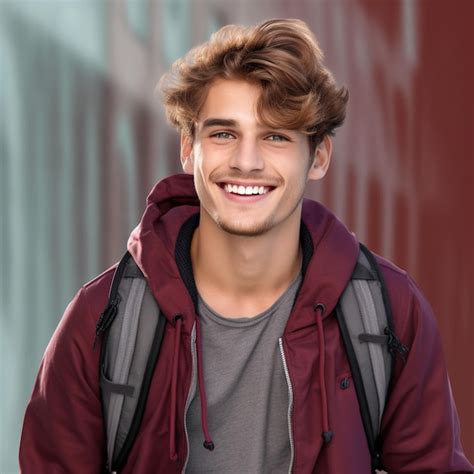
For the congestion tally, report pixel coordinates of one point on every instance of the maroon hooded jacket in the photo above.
(63, 427)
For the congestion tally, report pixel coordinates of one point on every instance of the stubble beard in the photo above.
(254, 229)
(245, 230)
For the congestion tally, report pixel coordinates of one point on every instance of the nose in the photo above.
(247, 156)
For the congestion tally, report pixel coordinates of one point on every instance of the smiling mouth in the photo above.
(241, 190)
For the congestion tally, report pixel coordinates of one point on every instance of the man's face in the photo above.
(250, 178)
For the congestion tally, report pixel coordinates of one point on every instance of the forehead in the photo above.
(231, 99)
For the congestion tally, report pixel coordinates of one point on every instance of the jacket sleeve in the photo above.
(63, 428)
(420, 426)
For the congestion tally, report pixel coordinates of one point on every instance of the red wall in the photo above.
(403, 170)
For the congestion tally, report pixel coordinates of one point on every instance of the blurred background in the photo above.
(83, 139)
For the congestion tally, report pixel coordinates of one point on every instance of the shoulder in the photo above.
(80, 316)
(402, 288)
(413, 315)
(414, 439)
(95, 292)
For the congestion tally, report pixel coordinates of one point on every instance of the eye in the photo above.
(222, 135)
(277, 138)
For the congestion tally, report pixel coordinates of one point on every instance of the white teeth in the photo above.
(245, 190)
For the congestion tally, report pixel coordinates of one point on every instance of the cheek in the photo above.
(202, 171)
(296, 176)
(199, 168)
(202, 165)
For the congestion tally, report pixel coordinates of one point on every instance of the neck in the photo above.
(241, 275)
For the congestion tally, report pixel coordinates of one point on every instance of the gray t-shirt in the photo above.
(247, 393)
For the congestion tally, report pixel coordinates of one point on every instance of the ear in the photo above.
(322, 158)
(186, 154)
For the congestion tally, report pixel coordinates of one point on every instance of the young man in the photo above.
(248, 276)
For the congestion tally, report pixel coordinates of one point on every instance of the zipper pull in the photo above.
(394, 344)
(106, 319)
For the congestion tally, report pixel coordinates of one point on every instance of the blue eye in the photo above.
(223, 135)
(277, 138)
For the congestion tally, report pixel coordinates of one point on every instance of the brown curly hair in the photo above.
(280, 55)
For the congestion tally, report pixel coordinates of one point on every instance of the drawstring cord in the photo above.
(327, 433)
(208, 443)
(174, 385)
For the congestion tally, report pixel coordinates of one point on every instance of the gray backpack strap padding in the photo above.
(125, 356)
(362, 318)
(362, 300)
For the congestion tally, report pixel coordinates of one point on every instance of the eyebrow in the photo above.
(219, 122)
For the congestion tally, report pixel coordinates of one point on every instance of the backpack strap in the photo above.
(365, 319)
(132, 331)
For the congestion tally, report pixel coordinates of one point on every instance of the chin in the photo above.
(254, 229)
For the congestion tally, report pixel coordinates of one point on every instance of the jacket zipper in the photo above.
(192, 391)
(290, 404)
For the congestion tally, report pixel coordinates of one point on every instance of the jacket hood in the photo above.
(330, 253)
